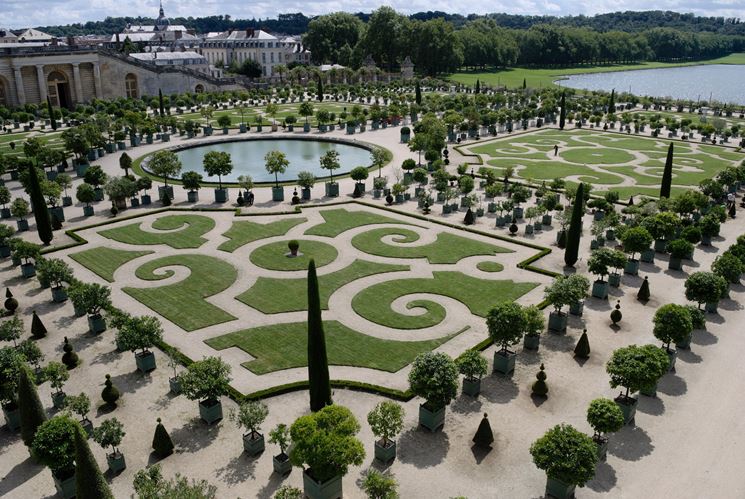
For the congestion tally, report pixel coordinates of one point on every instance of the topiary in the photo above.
(540, 388)
(616, 314)
(484, 435)
(643, 293)
(672, 323)
(11, 304)
(582, 350)
(604, 416)
(89, 481)
(38, 330)
(565, 454)
(162, 443)
(110, 394)
(469, 218)
(69, 358)
(32, 412)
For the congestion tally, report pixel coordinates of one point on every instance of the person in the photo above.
(730, 199)
(556, 149)
(250, 199)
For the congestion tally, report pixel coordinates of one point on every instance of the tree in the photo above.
(434, 377)
(85, 194)
(280, 436)
(379, 486)
(54, 445)
(306, 110)
(41, 215)
(276, 162)
(728, 266)
(612, 101)
(604, 416)
(125, 163)
(418, 94)
(288, 492)
(11, 329)
(250, 415)
(472, 364)
(325, 441)
(57, 375)
(149, 484)
(165, 164)
(191, 180)
(705, 287)
(636, 367)
(563, 111)
(672, 323)
(32, 412)
(109, 434)
(506, 325)
(667, 174)
(330, 161)
(319, 89)
(571, 254)
(89, 481)
(79, 404)
(161, 106)
(217, 163)
(565, 454)
(142, 332)
(162, 443)
(379, 158)
(206, 380)
(386, 420)
(251, 68)
(52, 117)
(636, 240)
(318, 369)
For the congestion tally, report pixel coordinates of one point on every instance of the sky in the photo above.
(16, 14)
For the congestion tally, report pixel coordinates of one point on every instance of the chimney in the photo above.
(249, 33)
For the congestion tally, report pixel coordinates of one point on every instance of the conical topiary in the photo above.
(110, 394)
(616, 315)
(318, 366)
(89, 482)
(540, 387)
(468, 219)
(69, 358)
(162, 443)
(37, 327)
(31, 410)
(571, 252)
(484, 436)
(643, 294)
(11, 304)
(582, 350)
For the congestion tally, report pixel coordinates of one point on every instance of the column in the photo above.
(42, 84)
(20, 93)
(97, 79)
(78, 84)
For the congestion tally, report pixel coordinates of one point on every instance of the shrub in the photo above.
(672, 323)
(205, 379)
(506, 324)
(54, 447)
(604, 416)
(11, 329)
(110, 394)
(434, 377)
(472, 364)
(149, 483)
(709, 226)
(698, 318)
(78, 404)
(636, 367)
(534, 320)
(705, 287)
(109, 434)
(565, 454)
(191, 180)
(139, 333)
(565, 291)
(679, 248)
(359, 173)
(692, 234)
(600, 260)
(636, 240)
(728, 266)
(162, 444)
(386, 420)
(379, 486)
(288, 492)
(57, 375)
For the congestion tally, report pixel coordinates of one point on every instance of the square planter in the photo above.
(577, 308)
(278, 194)
(531, 341)
(12, 418)
(162, 190)
(145, 361)
(631, 267)
(28, 270)
(711, 307)
(96, 323)
(192, 196)
(517, 212)
(116, 462)
(546, 220)
(685, 344)
(221, 195)
(675, 263)
(628, 407)
(66, 201)
(87, 426)
(175, 385)
(253, 445)
(210, 411)
(331, 489)
(58, 399)
(602, 444)
(331, 189)
(614, 280)
(59, 294)
(146, 200)
(600, 290)
(281, 464)
(134, 202)
(504, 364)
(647, 256)
(65, 487)
(471, 387)
(432, 420)
(672, 356)
(4, 212)
(558, 489)
(660, 245)
(385, 453)
(557, 321)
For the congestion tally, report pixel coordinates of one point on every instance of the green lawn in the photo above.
(275, 256)
(104, 261)
(244, 232)
(447, 248)
(479, 295)
(284, 346)
(341, 220)
(183, 303)
(490, 266)
(184, 231)
(264, 294)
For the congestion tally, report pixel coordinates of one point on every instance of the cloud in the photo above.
(16, 13)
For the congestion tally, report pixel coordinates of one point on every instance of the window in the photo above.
(130, 86)
(272, 56)
(199, 89)
(263, 57)
(3, 98)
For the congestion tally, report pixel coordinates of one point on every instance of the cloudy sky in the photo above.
(23, 13)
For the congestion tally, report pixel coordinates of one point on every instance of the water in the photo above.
(723, 82)
(248, 158)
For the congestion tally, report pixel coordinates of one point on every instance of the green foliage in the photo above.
(205, 379)
(672, 323)
(150, 484)
(110, 394)
(484, 436)
(250, 415)
(582, 348)
(217, 163)
(325, 441)
(85, 194)
(57, 375)
(330, 161)
(32, 412)
(359, 173)
(280, 435)
(636, 367)
(698, 318)
(25, 250)
(11, 329)
(318, 368)
(55, 271)
(679, 248)
(164, 164)
(109, 433)
(506, 324)
(571, 253)
(54, 446)
(728, 266)
(41, 215)
(142, 332)
(600, 260)
(11, 363)
(89, 482)
(472, 364)
(604, 416)
(379, 486)
(667, 174)
(661, 225)
(386, 420)
(191, 180)
(78, 404)
(434, 377)
(567, 290)
(276, 162)
(540, 388)
(643, 293)
(162, 444)
(636, 240)
(705, 287)
(565, 454)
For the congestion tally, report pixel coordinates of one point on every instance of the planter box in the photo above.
(28, 270)
(87, 425)
(146, 200)
(5, 212)
(58, 399)
(305, 194)
(192, 196)
(685, 344)
(116, 462)
(221, 195)
(577, 308)
(87, 211)
(385, 454)
(628, 407)
(12, 418)
(331, 489)
(517, 213)
(281, 464)
(647, 256)
(145, 361)
(531, 341)
(162, 190)
(331, 189)
(631, 267)
(614, 280)
(600, 290)
(675, 263)
(706, 240)
(471, 387)
(66, 487)
(210, 413)
(504, 364)
(431, 420)
(528, 229)
(4, 251)
(711, 307)
(253, 446)
(557, 321)
(59, 294)
(278, 194)
(96, 324)
(660, 246)
(558, 489)
(66, 201)
(98, 194)
(546, 220)
(175, 385)
(602, 444)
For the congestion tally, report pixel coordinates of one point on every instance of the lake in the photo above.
(723, 82)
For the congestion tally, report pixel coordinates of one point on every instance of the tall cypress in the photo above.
(571, 253)
(612, 101)
(89, 481)
(319, 90)
(667, 175)
(50, 110)
(478, 86)
(318, 365)
(418, 94)
(32, 412)
(525, 84)
(160, 103)
(563, 112)
(41, 214)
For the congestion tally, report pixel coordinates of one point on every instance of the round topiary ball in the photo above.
(110, 393)
(616, 314)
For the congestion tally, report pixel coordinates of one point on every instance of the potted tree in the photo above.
(85, 195)
(224, 122)
(662, 227)
(617, 261)
(434, 377)
(53, 446)
(192, 181)
(359, 174)
(11, 363)
(560, 293)
(96, 298)
(6, 233)
(635, 240)
(729, 267)
(143, 185)
(705, 288)
(306, 180)
(709, 226)
(57, 375)
(604, 416)
(672, 323)
(206, 380)
(519, 194)
(534, 324)
(276, 162)
(635, 368)
(28, 253)
(568, 457)
(473, 366)
(316, 442)
(19, 209)
(119, 189)
(598, 264)
(386, 421)
(80, 405)
(306, 110)
(330, 161)
(173, 382)
(96, 177)
(143, 333)
(280, 436)
(57, 273)
(679, 249)
(110, 434)
(164, 164)
(506, 326)
(218, 163)
(251, 415)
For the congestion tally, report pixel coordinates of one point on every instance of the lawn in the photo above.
(276, 255)
(479, 295)
(104, 261)
(338, 221)
(447, 248)
(183, 303)
(284, 346)
(244, 232)
(263, 295)
(179, 232)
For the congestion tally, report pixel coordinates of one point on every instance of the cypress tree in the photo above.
(50, 110)
(162, 443)
(318, 366)
(161, 107)
(38, 330)
(484, 435)
(477, 90)
(582, 350)
(612, 101)
(418, 94)
(319, 90)
(667, 175)
(571, 253)
(32, 412)
(563, 112)
(525, 84)
(89, 482)
(643, 293)
(41, 214)
(540, 387)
